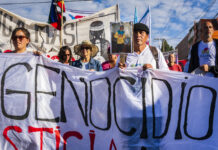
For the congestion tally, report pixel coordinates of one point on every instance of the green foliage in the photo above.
(165, 46)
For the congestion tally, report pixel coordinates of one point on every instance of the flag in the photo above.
(135, 16)
(146, 19)
(70, 14)
(177, 59)
(55, 13)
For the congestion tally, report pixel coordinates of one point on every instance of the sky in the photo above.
(170, 19)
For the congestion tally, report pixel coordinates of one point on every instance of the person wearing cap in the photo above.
(143, 56)
(86, 50)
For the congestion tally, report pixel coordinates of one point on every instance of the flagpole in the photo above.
(135, 16)
(150, 24)
(62, 4)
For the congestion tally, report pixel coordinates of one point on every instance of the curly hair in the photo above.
(62, 55)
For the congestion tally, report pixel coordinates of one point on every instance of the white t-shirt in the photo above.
(85, 66)
(207, 53)
(146, 57)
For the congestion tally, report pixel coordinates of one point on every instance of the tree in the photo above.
(165, 46)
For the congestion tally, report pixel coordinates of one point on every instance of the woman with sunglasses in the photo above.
(65, 55)
(20, 38)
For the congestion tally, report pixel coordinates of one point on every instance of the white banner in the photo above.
(48, 105)
(76, 14)
(44, 37)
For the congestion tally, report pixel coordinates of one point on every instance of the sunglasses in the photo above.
(85, 47)
(67, 54)
(19, 37)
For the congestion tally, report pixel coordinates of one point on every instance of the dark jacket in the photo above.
(194, 60)
(93, 64)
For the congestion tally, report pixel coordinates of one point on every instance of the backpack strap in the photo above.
(216, 46)
(155, 55)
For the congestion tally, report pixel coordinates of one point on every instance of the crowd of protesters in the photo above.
(203, 58)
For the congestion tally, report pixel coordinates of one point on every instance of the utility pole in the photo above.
(162, 39)
(215, 16)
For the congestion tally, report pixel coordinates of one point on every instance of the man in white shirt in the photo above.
(143, 55)
(203, 54)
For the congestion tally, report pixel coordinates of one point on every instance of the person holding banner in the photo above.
(146, 56)
(65, 55)
(203, 54)
(111, 63)
(86, 50)
(20, 38)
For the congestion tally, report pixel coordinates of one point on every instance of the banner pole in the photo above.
(62, 4)
(149, 24)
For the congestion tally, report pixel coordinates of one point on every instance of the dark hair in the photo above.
(61, 54)
(108, 49)
(25, 31)
(141, 27)
(171, 54)
(205, 21)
